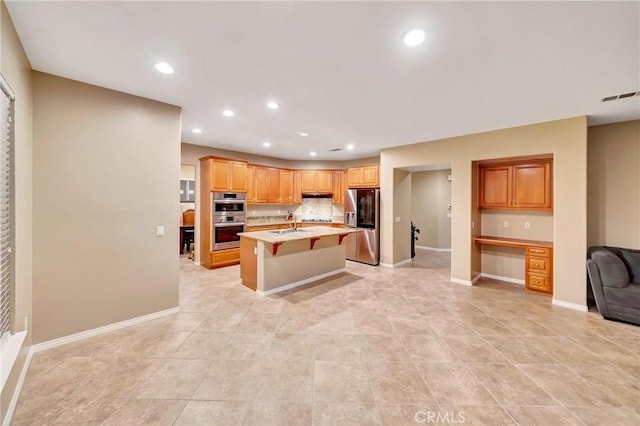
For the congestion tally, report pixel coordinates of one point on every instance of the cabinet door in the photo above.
(183, 190)
(219, 175)
(286, 186)
(262, 184)
(532, 186)
(251, 184)
(237, 176)
(495, 187)
(191, 191)
(370, 176)
(273, 194)
(337, 187)
(354, 177)
(297, 187)
(323, 182)
(308, 181)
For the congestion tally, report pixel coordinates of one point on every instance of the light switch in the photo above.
(397, 219)
(448, 214)
(159, 231)
(506, 224)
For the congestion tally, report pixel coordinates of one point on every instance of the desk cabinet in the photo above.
(538, 259)
(539, 273)
(516, 186)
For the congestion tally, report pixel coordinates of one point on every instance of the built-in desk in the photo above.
(538, 260)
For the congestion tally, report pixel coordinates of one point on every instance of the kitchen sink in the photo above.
(288, 231)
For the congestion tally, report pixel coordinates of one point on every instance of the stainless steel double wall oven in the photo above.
(229, 214)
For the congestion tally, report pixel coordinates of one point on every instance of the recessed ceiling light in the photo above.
(228, 113)
(414, 37)
(196, 130)
(313, 154)
(350, 147)
(164, 68)
(303, 133)
(266, 144)
(273, 105)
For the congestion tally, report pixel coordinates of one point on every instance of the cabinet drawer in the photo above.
(539, 264)
(539, 251)
(225, 256)
(539, 282)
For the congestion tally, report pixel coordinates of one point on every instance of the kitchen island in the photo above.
(274, 261)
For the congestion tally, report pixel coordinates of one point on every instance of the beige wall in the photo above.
(565, 139)
(401, 218)
(613, 183)
(430, 201)
(106, 173)
(17, 71)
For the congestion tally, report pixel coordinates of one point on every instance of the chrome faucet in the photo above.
(291, 216)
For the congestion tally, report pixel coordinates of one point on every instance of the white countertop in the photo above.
(301, 234)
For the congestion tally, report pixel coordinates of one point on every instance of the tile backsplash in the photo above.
(311, 208)
(316, 208)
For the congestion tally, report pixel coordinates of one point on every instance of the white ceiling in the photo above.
(340, 70)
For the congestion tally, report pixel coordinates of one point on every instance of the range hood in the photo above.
(317, 195)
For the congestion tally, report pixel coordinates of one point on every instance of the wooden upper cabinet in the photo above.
(237, 176)
(495, 186)
(532, 186)
(251, 184)
(297, 187)
(273, 194)
(286, 186)
(308, 183)
(364, 177)
(262, 185)
(228, 175)
(371, 176)
(337, 188)
(522, 185)
(316, 181)
(323, 181)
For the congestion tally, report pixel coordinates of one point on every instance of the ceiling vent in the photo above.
(335, 150)
(622, 96)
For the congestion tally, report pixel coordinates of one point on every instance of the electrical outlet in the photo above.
(397, 219)
(527, 225)
(506, 224)
(159, 231)
(448, 214)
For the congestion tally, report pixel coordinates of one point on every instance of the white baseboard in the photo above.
(16, 392)
(501, 278)
(574, 306)
(395, 265)
(101, 330)
(299, 283)
(461, 281)
(432, 248)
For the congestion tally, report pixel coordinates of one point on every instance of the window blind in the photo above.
(6, 224)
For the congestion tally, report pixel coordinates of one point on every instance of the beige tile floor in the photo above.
(371, 346)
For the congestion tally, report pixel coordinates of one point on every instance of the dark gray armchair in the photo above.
(614, 274)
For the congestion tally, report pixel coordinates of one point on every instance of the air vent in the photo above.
(335, 149)
(622, 96)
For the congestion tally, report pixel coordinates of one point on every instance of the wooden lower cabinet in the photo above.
(221, 258)
(539, 270)
(249, 266)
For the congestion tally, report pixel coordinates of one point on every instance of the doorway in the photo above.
(187, 210)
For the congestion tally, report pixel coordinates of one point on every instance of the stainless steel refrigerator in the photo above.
(362, 211)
